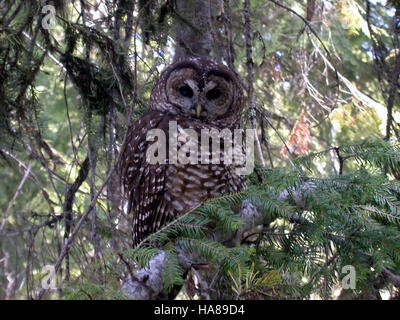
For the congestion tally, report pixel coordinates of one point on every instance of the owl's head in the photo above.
(199, 89)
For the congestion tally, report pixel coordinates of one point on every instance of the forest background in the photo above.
(322, 86)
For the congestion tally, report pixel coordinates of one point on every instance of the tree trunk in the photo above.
(192, 20)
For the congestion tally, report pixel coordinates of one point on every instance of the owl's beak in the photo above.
(199, 108)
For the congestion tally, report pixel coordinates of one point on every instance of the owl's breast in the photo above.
(188, 186)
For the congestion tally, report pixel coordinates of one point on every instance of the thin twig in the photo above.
(250, 78)
(19, 188)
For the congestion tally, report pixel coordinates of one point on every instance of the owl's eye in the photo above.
(213, 94)
(186, 91)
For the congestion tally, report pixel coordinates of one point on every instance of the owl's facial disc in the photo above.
(206, 97)
(183, 90)
(216, 97)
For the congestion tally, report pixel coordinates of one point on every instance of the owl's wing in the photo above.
(143, 183)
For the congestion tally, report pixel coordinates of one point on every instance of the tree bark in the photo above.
(192, 20)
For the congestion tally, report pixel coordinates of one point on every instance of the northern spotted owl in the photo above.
(196, 94)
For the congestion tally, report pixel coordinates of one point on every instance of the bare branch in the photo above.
(19, 188)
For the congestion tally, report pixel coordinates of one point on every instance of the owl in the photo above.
(196, 94)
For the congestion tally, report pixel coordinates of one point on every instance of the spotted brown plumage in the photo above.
(196, 94)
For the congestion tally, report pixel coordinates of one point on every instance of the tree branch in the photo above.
(148, 282)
